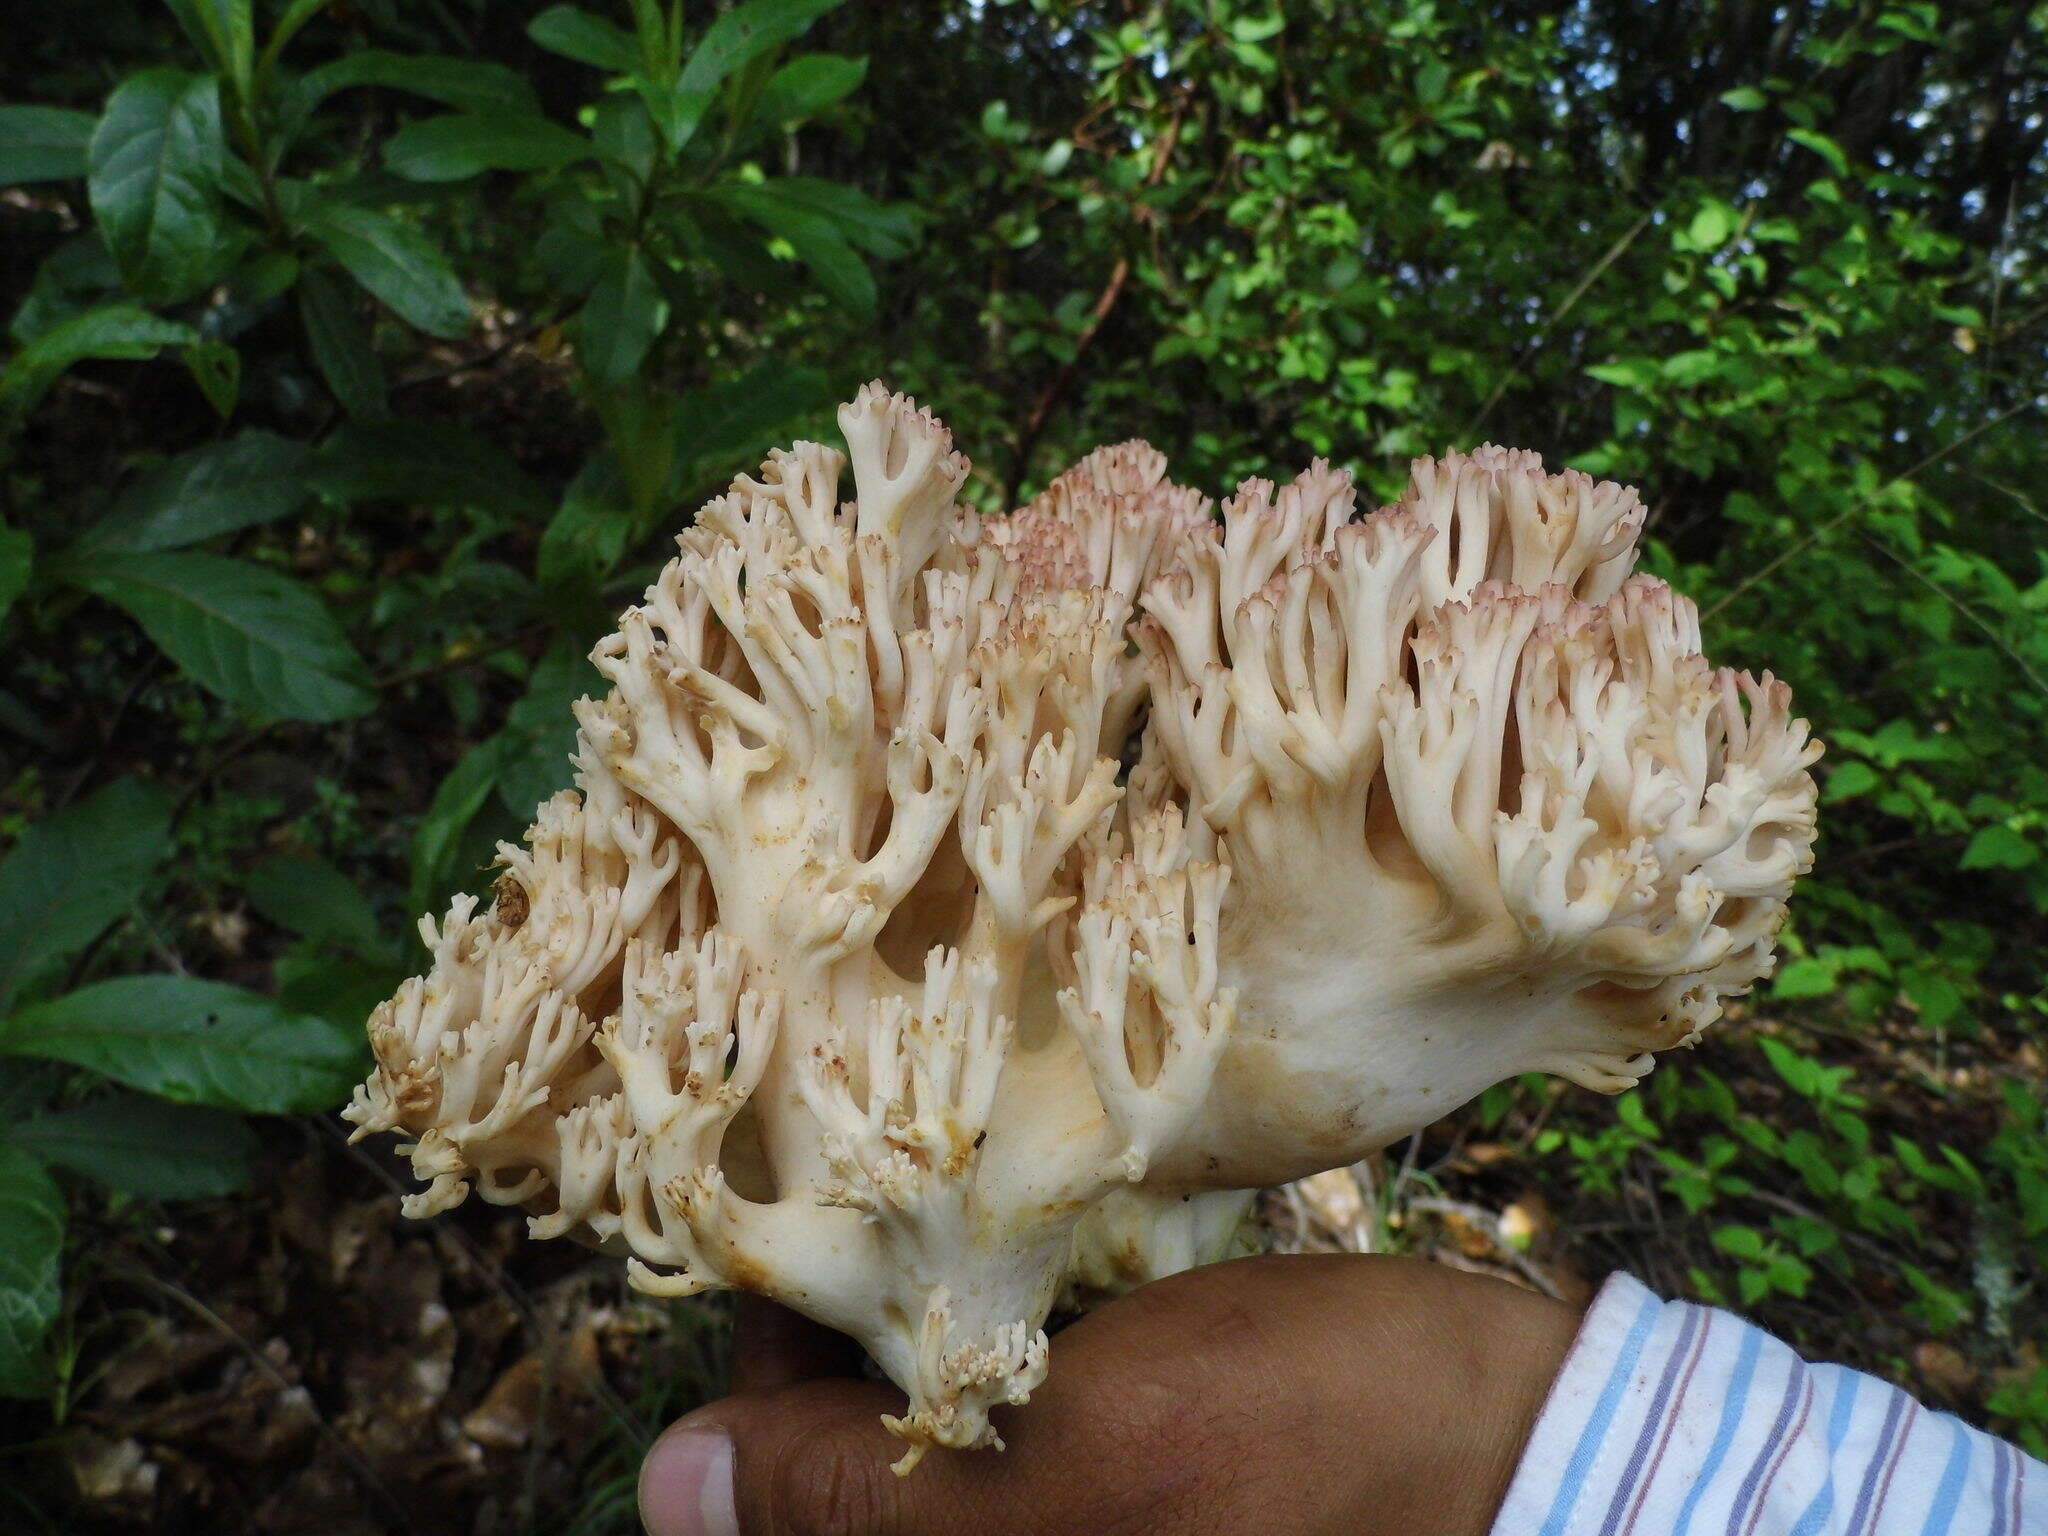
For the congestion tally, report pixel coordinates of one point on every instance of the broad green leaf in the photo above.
(344, 992)
(588, 535)
(1821, 145)
(1745, 98)
(116, 331)
(540, 731)
(43, 144)
(640, 421)
(341, 343)
(467, 143)
(743, 34)
(880, 229)
(315, 900)
(738, 37)
(804, 87)
(71, 874)
(576, 34)
(154, 173)
(443, 857)
(723, 423)
(249, 634)
(620, 321)
(296, 15)
(31, 1242)
(1999, 847)
(1711, 226)
(216, 368)
(814, 238)
(254, 478)
(1805, 978)
(398, 264)
(144, 1146)
(1849, 779)
(17, 559)
(424, 463)
(464, 84)
(192, 1042)
(230, 27)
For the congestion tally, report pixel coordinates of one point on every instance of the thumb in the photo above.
(802, 1461)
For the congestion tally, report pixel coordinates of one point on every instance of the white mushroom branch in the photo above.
(955, 912)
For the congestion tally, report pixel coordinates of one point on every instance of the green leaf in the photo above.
(1999, 847)
(31, 1242)
(1739, 1242)
(249, 634)
(341, 343)
(640, 421)
(216, 368)
(540, 731)
(722, 423)
(1850, 779)
(619, 323)
(43, 144)
(1821, 145)
(296, 15)
(71, 874)
(814, 238)
(154, 174)
(192, 1042)
(423, 463)
(1711, 226)
(804, 87)
(344, 992)
(1805, 978)
(143, 1146)
(588, 535)
(880, 229)
(315, 900)
(465, 144)
(576, 34)
(734, 40)
(743, 34)
(254, 478)
(463, 84)
(441, 855)
(1745, 98)
(17, 559)
(226, 32)
(398, 264)
(118, 331)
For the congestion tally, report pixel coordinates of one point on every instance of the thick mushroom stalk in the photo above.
(952, 912)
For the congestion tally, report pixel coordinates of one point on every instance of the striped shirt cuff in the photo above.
(1671, 1419)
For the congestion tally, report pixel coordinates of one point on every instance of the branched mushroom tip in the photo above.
(952, 912)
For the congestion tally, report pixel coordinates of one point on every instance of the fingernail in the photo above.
(686, 1485)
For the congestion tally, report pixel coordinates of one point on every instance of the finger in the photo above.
(775, 1347)
(1221, 1401)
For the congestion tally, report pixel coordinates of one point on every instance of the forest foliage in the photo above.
(362, 357)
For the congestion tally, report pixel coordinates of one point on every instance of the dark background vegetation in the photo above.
(364, 355)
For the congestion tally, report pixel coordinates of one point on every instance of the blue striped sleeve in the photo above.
(1670, 1419)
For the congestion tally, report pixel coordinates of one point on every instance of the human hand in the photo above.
(1295, 1396)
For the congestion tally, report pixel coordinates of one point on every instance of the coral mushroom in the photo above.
(951, 911)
